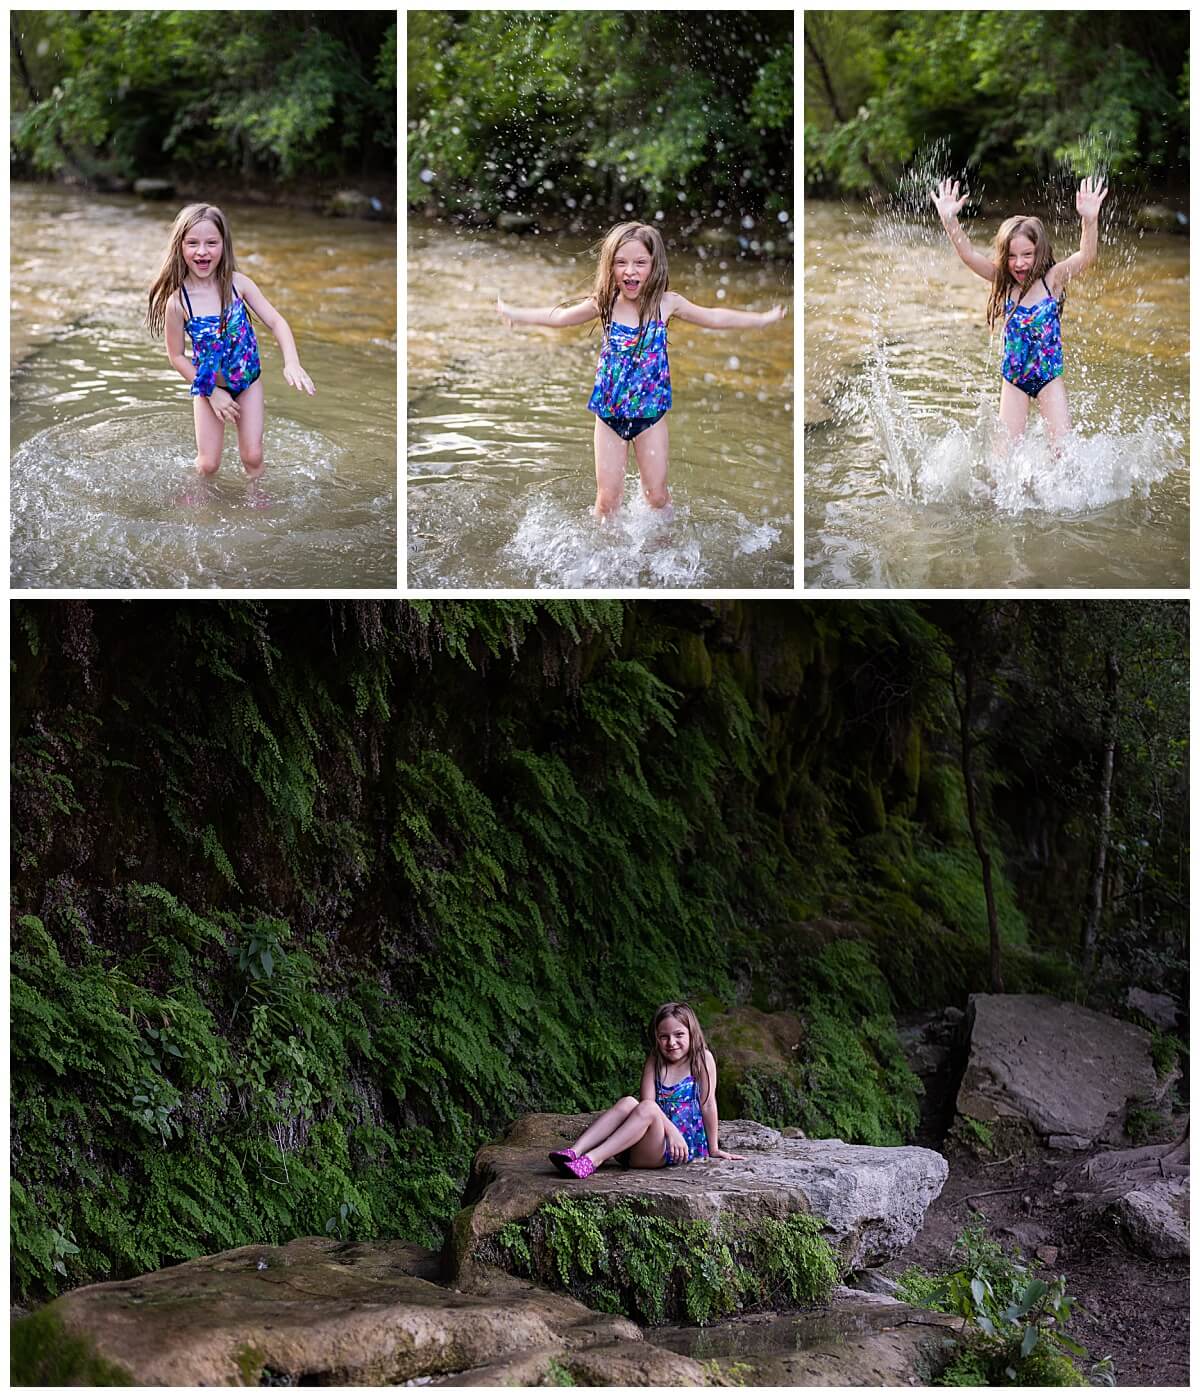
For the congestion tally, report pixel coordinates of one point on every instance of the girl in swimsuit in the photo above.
(199, 289)
(632, 393)
(1028, 288)
(675, 1122)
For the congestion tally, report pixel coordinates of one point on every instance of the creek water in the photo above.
(501, 473)
(104, 491)
(905, 484)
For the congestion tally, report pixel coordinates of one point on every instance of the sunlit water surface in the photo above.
(104, 491)
(905, 485)
(501, 472)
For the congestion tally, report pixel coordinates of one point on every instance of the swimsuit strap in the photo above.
(188, 299)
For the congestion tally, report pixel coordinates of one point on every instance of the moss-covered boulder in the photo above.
(760, 1073)
(780, 1226)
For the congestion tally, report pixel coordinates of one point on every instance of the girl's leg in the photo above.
(1014, 413)
(651, 447)
(1055, 411)
(250, 429)
(603, 1126)
(210, 437)
(642, 1133)
(611, 453)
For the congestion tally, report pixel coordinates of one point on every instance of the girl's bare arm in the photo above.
(221, 402)
(947, 201)
(556, 316)
(1091, 195)
(712, 318)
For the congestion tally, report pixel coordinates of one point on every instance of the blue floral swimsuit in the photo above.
(633, 378)
(232, 354)
(1033, 352)
(681, 1105)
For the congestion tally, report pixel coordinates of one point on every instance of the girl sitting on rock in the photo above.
(675, 1122)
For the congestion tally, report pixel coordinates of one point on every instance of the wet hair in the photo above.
(605, 290)
(173, 272)
(1020, 225)
(697, 1047)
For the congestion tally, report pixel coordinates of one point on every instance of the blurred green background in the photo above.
(262, 96)
(600, 115)
(1016, 93)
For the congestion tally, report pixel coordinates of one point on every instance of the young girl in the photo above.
(199, 289)
(633, 379)
(675, 1122)
(1023, 263)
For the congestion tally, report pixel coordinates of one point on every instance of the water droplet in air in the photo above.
(427, 176)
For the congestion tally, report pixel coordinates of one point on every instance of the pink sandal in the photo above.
(582, 1167)
(561, 1158)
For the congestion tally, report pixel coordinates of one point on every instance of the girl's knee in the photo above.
(647, 1110)
(657, 496)
(252, 457)
(208, 465)
(628, 1103)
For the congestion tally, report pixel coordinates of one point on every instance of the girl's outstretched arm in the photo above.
(293, 370)
(556, 316)
(947, 201)
(714, 319)
(1092, 193)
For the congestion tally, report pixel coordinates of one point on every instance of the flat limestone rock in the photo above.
(327, 1313)
(872, 1201)
(1068, 1071)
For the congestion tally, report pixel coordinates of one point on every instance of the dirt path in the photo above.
(1133, 1310)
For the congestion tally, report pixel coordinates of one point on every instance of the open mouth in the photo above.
(632, 285)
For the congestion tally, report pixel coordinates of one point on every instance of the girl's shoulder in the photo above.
(669, 304)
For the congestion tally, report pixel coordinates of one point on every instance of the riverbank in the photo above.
(377, 194)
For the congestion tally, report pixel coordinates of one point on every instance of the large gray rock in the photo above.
(326, 1313)
(1161, 1009)
(872, 1201)
(1066, 1070)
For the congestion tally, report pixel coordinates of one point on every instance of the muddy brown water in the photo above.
(500, 463)
(103, 490)
(901, 382)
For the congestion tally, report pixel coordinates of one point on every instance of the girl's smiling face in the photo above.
(202, 248)
(631, 267)
(1021, 254)
(672, 1035)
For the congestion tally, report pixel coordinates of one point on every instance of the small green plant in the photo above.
(557, 1375)
(1021, 1320)
(976, 1134)
(1166, 1052)
(1143, 1125)
(338, 1224)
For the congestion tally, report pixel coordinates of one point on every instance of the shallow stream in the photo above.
(904, 485)
(103, 486)
(500, 462)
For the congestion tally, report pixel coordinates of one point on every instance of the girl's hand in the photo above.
(223, 405)
(676, 1146)
(1091, 195)
(946, 199)
(502, 311)
(724, 1154)
(299, 380)
(774, 314)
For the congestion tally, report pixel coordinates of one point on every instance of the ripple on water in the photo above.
(104, 501)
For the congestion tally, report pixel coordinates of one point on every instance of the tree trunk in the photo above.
(1095, 905)
(966, 705)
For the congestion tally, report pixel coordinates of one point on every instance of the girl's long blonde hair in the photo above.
(1020, 225)
(697, 1047)
(605, 290)
(173, 272)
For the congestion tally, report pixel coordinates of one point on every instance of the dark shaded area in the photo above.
(309, 897)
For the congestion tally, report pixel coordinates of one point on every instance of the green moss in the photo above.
(250, 1362)
(1167, 1052)
(1143, 1125)
(656, 1269)
(772, 1096)
(44, 1353)
(858, 1086)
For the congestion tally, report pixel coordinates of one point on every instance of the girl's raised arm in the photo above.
(714, 319)
(947, 202)
(556, 316)
(1092, 194)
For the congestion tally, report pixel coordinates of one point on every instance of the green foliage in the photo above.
(1021, 1321)
(557, 1375)
(547, 111)
(1012, 93)
(1167, 1052)
(1143, 1125)
(771, 1097)
(976, 1133)
(622, 1259)
(44, 1353)
(245, 92)
(858, 1086)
